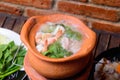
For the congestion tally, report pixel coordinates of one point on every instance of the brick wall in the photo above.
(100, 14)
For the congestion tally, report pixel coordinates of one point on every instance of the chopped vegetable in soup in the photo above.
(58, 40)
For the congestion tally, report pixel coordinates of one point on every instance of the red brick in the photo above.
(36, 3)
(106, 26)
(80, 0)
(107, 2)
(89, 10)
(42, 3)
(22, 2)
(10, 9)
(34, 12)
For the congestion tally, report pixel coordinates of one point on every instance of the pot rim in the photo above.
(85, 49)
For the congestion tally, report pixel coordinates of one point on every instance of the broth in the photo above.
(58, 40)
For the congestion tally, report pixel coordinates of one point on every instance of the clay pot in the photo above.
(61, 67)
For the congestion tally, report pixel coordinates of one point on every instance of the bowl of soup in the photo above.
(59, 45)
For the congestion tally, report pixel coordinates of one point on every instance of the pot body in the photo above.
(63, 67)
(58, 70)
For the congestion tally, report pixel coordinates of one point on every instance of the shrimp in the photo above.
(48, 38)
(45, 46)
(59, 34)
(55, 38)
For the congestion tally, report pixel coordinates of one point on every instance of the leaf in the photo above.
(11, 44)
(22, 52)
(20, 60)
(13, 48)
(55, 50)
(3, 47)
(1, 54)
(1, 66)
(9, 59)
(52, 55)
(10, 71)
(70, 33)
(7, 54)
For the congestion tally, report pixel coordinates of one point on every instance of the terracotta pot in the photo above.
(61, 67)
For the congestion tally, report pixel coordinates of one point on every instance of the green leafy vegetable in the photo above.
(55, 50)
(7, 64)
(71, 33)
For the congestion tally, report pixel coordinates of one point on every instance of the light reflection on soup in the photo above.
(58, 40)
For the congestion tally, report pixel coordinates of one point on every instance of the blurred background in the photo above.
(99, 14)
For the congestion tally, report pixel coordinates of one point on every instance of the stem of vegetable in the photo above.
(8, 73)
(16, 52)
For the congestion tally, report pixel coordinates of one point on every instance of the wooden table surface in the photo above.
(105, 40)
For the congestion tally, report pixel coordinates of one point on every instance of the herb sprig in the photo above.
(7, 53)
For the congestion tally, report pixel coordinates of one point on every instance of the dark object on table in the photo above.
(109, 54)
(112, 54)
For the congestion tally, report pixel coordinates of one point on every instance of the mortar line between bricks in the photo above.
(54, 4)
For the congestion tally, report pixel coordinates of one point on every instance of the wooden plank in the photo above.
(9, 23)
(97, 40)
(114, 41)
(2, 19)
(19, 24)
(102, 44)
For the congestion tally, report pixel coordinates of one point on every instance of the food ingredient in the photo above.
(4, 39)
(55, 50)
(58, 40)
(107, 70)
(11, 58)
